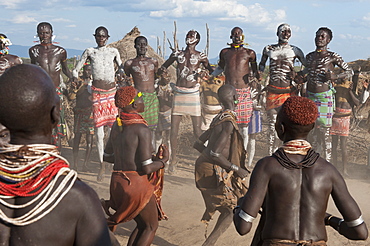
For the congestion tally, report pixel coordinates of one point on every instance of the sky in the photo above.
(74, 22)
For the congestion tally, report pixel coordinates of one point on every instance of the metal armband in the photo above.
(246, 217)
(147, 162)
(214, 154)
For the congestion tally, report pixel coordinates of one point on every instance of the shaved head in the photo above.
(29, 102)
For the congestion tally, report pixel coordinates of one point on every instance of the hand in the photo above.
(242, 173)
(254, 93)
(163, 153)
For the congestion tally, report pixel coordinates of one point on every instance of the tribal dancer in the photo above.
(7, 60)
(137, 178)
(282, 56)
(235, 62)
(53, 59)
(186, 100)
(320, 78)
(345, 99)
(143, 70)
(293, 187)
(103, 87)
(39, 193)
(220, 168)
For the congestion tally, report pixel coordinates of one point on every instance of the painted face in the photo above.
(322, 38)
(237, 36)
(45, 34)
(191, 38)
(4, 135)
(101, 37)
(284, 33)
(141, 46)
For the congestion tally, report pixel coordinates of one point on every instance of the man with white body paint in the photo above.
(186, 99)
(143, 70)
(282, 56)
(53, 59)
(7, 60)
(102, 59)
(236, 62)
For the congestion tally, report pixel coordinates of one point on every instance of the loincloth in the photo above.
(151, 109)
(325, 104)
(83, 120)
(164, 120)
(255, 125)
(104, 108)
(244, 107)
(217, 191)
(340, 125)
(286, 242)
(129, 194)
(275, 100)
(208, 113)
(186, 101)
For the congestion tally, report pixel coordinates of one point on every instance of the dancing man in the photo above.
(53, 59)
(186, 100)
(293, 187)
(143, 70)
(320, 88)
(282, 57)
(102, 59)
(7, 60)
(236, 62)
(220, 168)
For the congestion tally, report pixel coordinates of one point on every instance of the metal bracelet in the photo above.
(234, 168)
(355, 222)
(339, 223)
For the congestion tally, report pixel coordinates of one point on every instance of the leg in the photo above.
(147, 225)
(251, 149)
(245, 135)
(223, 222)
(343, 146)
(197, 121)
(327, 143)
(175, 123)
(76, 147)
(158, 138)
(89, 141)
(271, 135)
(335, 139)
(100, 144)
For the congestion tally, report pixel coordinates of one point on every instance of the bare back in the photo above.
(50, 58)
(235, 63)
(143, 70)
(296, 199)
(130, 147)
(65, 225)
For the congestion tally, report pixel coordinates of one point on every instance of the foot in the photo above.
(100, 176)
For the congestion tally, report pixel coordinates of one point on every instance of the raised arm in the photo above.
(80, 64)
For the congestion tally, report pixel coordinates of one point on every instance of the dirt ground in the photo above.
(183, 204)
